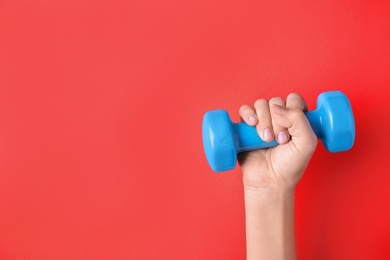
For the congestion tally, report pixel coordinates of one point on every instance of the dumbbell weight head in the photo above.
(334, 118)
(219, 141)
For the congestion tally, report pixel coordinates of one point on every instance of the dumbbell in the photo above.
(332, 121)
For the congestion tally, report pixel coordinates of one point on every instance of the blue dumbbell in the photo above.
(332, 122)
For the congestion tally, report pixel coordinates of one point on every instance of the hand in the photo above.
(279, 167)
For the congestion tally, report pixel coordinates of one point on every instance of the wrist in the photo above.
(270, 193)
(270, 181)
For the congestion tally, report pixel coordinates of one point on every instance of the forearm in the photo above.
(270, 224)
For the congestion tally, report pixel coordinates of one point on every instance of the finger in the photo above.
(302, 136)
(264, 125)
(296, 101)
(281, 133)
(248, 114)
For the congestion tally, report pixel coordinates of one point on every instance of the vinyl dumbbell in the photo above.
(332, 121)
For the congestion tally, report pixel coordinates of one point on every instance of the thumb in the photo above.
(302, 135)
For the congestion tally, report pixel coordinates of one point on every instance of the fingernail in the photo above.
(267, 134)
(278, 109)
(252, 119)
(282, 138)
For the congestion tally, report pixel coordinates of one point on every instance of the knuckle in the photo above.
(245, 109)
(260, 102)
(296, 100)
(276, 100)
(295, 95)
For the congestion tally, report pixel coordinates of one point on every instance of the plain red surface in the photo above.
(101, 104)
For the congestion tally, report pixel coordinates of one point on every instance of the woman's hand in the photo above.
(280, 167)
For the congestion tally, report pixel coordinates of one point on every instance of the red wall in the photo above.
(101, 104)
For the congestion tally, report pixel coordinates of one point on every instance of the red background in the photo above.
(101, 104)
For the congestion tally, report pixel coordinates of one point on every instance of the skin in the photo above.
(271, 175)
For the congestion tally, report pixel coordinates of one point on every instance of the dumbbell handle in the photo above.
(249, 139)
